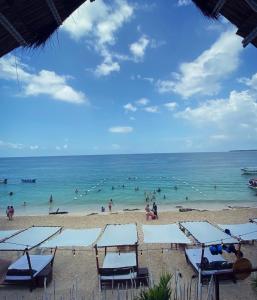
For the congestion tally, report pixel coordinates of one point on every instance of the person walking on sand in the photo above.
(110, 205)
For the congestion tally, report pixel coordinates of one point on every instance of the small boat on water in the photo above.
(253, 183)
(58, 212)
(249, 170)
(4, 181)
(28, 180)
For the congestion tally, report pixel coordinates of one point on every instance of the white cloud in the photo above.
(151, 109)
(250, 82)
(115, 147)
(107, 67)
(34, 147)
(230, 117)
(121, 129)
(98, 23)
(218, 137)
(204, 75)
(43, 83)
(65, 146)
(171, 105)
(130, 107)
(142, 101)
(132, 118)
(138, 76)
(58, 148)
(184, 2)
(9, 145)
(138, 48)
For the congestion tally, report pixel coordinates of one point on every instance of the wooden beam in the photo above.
(252, 4)
(218, 7)
(13, 32)
(54, 11)
(250, 37)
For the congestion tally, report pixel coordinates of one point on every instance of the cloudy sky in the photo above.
(131, 77)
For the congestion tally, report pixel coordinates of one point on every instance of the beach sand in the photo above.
(79, 271)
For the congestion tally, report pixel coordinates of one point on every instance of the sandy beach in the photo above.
(80, 270)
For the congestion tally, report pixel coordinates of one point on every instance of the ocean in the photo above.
(82, 184)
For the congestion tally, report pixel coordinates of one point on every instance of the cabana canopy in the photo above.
(164, 234)
(28, 238)
(206, 233)
(244, 232)
(30, 23)
(73, 237)
(241, 13)
(118, 235)
(4, 234)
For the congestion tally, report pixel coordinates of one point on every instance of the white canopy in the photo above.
(6, 233)
(118, 235)
(245, 232)
(28, 238)
(164, 234)
(206, 233)
(73, 237)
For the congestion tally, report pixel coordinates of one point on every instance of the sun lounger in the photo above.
(216, 262)
(31, 269)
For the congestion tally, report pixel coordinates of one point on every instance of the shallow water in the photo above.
(192, 179)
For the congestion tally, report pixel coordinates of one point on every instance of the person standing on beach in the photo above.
(155, 210)
(8, 212)
(110, 205)
(11, 213)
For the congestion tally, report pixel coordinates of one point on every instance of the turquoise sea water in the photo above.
(191, 179)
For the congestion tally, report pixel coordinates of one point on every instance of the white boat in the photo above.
(249, 170)
(253, 183)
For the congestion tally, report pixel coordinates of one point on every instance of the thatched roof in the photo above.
(241, 13)
(29, 23)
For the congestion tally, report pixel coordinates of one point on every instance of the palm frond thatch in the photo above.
(30, 23)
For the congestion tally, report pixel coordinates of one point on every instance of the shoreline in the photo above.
(83, 210)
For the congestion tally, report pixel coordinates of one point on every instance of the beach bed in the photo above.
(243, 232)
(120, 267)
(201, 259)
(216, 262)
(32, 270)
(29, 269)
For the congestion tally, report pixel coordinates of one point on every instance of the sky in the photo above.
(131, 77)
